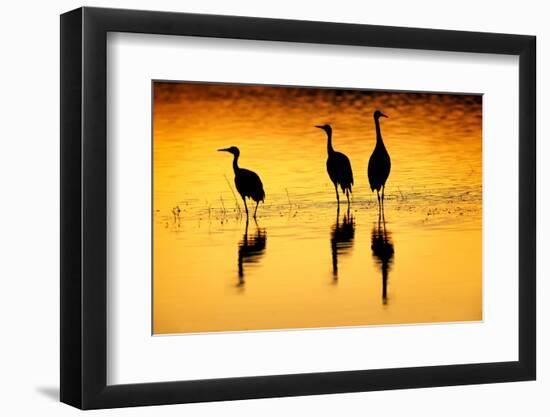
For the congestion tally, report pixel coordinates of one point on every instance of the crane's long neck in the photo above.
(236, 163)
(379, 141)
(330, 149)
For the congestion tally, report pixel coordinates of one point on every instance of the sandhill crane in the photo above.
(379, 162)
(248, 183)
(338, 166)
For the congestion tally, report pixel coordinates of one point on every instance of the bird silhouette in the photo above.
(379, 163)
(382, 252)
(338, 166)
(248, 183)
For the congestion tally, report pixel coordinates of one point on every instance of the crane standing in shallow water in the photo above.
(379, 163)
(248, 183)
(338, 166)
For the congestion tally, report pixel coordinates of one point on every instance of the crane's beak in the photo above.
(320, 127)
(383, 115)
(223, 150)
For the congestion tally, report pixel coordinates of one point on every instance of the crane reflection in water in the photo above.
(251, 249)
(341, 238)
(382, 252)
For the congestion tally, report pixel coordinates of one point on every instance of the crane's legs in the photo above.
(256, 209)
(347, 195)
(337, 196)
(245, 207)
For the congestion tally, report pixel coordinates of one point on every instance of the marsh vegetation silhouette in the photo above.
(382, 252)
(176, 212)
(338, 166)
(379, 163)
(251, 249)
(247, 182)
(341, 238)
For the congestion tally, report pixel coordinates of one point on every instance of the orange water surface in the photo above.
(304, 263)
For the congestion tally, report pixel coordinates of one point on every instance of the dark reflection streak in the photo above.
(382, 252)
(341, 238)
(251, 249)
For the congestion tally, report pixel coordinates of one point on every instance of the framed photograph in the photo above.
(258, 208)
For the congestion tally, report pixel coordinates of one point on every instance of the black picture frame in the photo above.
(84, 207)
